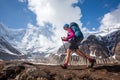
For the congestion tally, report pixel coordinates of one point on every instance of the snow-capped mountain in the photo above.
(7, 51)
(30, 41)
(13, 36)
(41, 41)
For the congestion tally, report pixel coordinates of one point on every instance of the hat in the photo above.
(66, 26)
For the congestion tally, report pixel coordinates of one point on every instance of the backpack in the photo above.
(78, 34)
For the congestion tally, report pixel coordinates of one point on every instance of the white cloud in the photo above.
(56, 12)
(111, 20)
(22, 0)
(93, 29)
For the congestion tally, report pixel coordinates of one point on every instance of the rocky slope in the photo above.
(117, 50)
(28, 71)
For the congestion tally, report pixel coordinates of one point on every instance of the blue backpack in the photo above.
(78, 34)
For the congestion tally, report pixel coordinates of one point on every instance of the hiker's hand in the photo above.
(64, 39)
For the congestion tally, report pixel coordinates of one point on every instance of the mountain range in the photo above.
(23, 43)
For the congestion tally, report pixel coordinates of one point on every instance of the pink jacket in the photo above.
(71, 34)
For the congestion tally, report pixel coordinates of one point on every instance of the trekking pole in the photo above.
(63, 44)
(64, 48)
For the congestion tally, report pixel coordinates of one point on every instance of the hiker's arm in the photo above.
(71, 35)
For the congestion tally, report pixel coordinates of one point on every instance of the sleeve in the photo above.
(71, 34)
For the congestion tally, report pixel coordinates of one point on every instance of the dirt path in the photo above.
(28, 71)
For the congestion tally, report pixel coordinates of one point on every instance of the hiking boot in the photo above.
(64, 66)
(92, 62)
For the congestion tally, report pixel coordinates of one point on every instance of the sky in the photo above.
(88, 13)
(94, 10)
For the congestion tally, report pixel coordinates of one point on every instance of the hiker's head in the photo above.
(66, 26)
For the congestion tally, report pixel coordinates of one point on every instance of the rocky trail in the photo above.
(14, 70)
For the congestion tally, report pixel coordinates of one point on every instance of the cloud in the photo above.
(22, 0)
(93, 29)
(81, 1)
(106, 5)
(56, 12)
(111, 20)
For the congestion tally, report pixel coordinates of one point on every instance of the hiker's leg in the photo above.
(69, 50)
(68, 56)
(64, 66)
(81, 53)
(91, 60)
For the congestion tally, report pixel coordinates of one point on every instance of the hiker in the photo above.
(74, 37)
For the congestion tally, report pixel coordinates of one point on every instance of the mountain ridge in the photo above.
(28, 42)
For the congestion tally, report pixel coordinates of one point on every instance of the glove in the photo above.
(64, 39)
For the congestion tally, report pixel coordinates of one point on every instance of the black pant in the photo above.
(74, 44)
